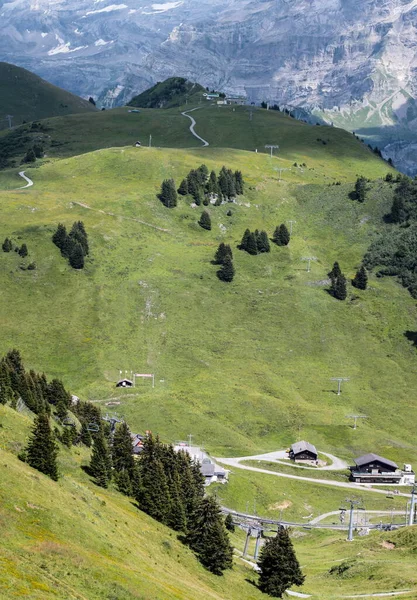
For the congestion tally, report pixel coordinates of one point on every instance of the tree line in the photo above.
(204, 187)
(73, 245)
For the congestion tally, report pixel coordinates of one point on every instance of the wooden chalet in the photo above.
(372, 468)
(303, 451)
(124, 383)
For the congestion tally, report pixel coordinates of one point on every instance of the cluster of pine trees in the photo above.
(73, 245)
(203, 186)
(361, 189)
(224, 258)
(36, 392)
(169, 487)
(338, 287)
(257, 242)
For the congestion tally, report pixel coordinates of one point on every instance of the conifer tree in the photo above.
(339, 288)
(208, 537)
(7, 245)
(251, 245)
(42, 451)
(123, 482)
(360, 189)
(335, 272)
(228, 523)
(212, 187)
(79, 234)
(153, 494)
(205, 220)
(262, 242)
(168, 193)
(227, 270)
(183, 189)
(122, 450)
(23, 251)
(360, 281)
(100, 463)
(66, 437)
(76, 258)
(278, 564)
(238, 182)
(85, 435)
(222, 251)
(244, 243)
(281, 235)
(30, 156)
(203, 174)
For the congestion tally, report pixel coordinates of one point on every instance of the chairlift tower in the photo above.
(355, 418)
(291, 222)
(352, 503)
(112, 420)
(339, 383)
(272, 147)
(309, 260)
(9, 119)
(413, 504)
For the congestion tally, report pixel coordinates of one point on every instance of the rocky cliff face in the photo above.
(351, 61)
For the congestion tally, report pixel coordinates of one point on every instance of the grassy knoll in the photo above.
(246, 366)
(28, 97)
(72, 539)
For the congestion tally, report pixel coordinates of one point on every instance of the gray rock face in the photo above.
(352, 62)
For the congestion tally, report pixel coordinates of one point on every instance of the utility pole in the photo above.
(309, 259)
(356, 417)
(150, 141)
(9, 118)
(339, 383)
(271, 147)
(352, 503)
(190, 439)
(412, 505)
(291, 224)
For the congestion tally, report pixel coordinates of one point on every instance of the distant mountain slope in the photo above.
(173, 92)
(27, 97)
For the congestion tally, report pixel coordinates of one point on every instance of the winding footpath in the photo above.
(193, 124)
(236, 462)
(29, 181)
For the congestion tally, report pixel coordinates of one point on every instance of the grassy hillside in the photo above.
(246, 366)
(74, 540)
(322, 148)
(170, 93)
(28, 97)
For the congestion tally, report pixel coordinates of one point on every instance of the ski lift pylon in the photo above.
(93, 427)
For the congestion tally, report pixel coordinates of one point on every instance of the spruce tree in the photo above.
(100, 463)
(79, 234)
(168, 193)
(85, 435)
(228, 523)
(339, 288)
(335, 272)
(23, 251)
(7, 245)
(66, 437)
(30, 156)
(122, 450)
(360, 281)
(244, 243)
(281, 235)
(208, 537)
(238, 182)
(251, 245)
(123, 482)
(278, 565)
(227, 270)
(76, 258)
(183, 189)
(153, 494)
(42, 451)
(205, 220)
(262, 242)
(360, 189)
(222, 251)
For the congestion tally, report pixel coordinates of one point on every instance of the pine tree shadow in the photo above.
(412, 337)
(87, 470)
(252, 582)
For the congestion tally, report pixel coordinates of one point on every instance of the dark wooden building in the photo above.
(124, 383)
(372, 468)
(303, 451)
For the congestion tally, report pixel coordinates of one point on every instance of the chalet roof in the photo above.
(207, 469)
(125, 380)
(302, 447)
(370, 457)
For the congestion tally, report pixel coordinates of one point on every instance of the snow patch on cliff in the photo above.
(106, 9)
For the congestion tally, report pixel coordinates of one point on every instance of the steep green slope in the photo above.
(28, 97)
(71, 539)
(170, 93)
(245, 366)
